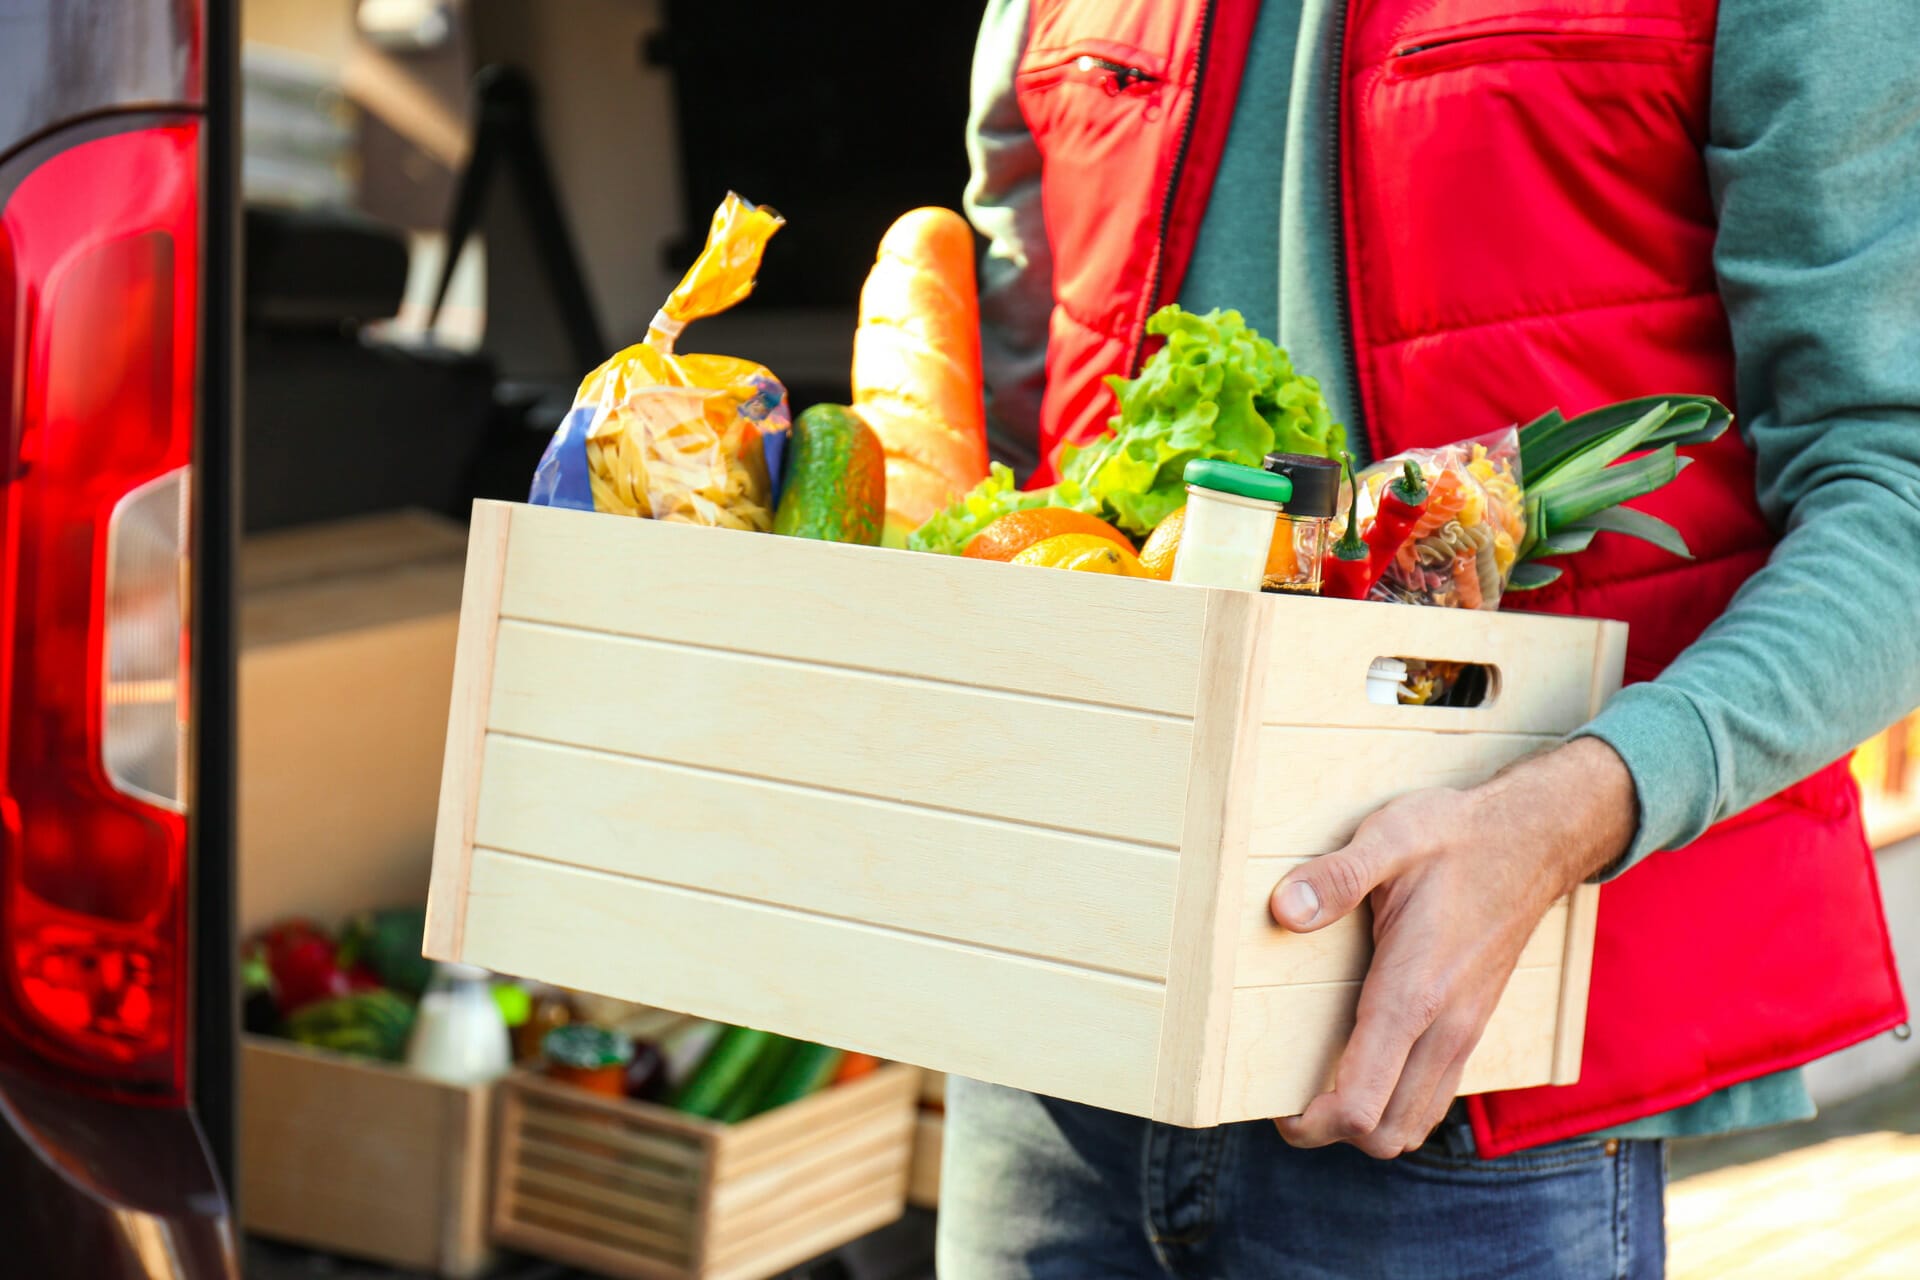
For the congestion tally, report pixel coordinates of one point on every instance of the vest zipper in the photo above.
(1120, 77)
(1349, 362)
(1173, 186)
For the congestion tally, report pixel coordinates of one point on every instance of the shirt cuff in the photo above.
(1669, 753)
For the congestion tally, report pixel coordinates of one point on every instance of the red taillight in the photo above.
(99, 268)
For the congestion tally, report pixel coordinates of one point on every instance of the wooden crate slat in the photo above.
(631, 1239)
(814, 1148)
(1314, 786)
(865, 734)
(653, 1119)
(1271, 956)
(1081, 1035)
(667, 1213)
(1285, 1042)
(564, 1242)
(1045, 893)
(1531, 654)
(805, 1235)
(775, 1135)
(775, 1195)
(612, 1141)
(650, 1180)
(557, 572)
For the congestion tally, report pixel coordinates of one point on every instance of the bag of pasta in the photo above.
(1462, 547)
(693, 439)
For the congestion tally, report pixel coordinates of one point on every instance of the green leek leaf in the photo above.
(1565, 542)
(1610, 487)
(1528, 576)
(1599, 452)
(1550, 439)
(1634, 524)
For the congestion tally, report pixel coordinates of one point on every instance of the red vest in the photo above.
(1526, 223)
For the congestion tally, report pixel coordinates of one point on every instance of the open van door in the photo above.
(116, 500)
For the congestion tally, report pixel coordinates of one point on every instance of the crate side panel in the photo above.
(1071, 1033)
(1317, 785)
(1085, 901)
(941, 617)
(473, 676)
(1285, 1041)
(1545, 666)
(921, 742)
(1271, 956)
(307, 1115)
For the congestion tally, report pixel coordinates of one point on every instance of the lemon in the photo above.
(1083, 552)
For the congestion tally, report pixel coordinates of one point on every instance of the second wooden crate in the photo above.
(645, 1193)
(1004, 823)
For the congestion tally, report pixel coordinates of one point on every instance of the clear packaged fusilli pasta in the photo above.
(1462, 547)
(695, 439)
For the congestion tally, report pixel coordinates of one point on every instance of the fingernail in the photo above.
(1299, 903)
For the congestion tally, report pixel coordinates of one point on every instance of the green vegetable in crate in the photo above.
(745, 1100)
(809, 1069)
(389, 942)
(1575, 481)
(370, 1024)
(836, 479)
(723, 1071)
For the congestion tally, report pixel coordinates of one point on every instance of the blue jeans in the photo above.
(1034, 1187)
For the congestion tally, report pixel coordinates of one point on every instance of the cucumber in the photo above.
(709, 1088)
(836, 479)
(744, 1101)
(809, 1069)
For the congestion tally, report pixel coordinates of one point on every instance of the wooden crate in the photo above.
(364, 1158)
(1015, 825)
(644, 1192)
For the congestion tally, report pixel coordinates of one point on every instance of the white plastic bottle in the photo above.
(459, 1034)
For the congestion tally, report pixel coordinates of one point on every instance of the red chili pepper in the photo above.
(1346, 574)
(1402, 503)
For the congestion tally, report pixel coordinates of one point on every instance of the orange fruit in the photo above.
(1084, 552)
(1157, 553)
(1014, 532)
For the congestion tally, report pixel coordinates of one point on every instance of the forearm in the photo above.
(1815, 164)
(1816, 653)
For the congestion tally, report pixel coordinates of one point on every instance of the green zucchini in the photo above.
(708, 1089)
(809, 1069)
(744, 1101)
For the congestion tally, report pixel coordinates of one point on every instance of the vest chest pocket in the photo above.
(1437, 52)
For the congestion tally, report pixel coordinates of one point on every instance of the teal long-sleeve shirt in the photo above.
(1814, 162)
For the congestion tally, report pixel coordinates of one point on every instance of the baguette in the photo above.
(916, 366)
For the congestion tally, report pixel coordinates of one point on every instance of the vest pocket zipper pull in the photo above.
(1119, 76)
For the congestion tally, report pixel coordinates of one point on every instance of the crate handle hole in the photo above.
(1461, 685)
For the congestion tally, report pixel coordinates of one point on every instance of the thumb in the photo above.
(1317, 893)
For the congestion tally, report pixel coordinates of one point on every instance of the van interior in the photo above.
(454, 209)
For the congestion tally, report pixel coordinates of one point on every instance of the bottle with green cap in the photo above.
(1231, 513)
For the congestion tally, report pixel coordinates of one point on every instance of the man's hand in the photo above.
(1458, 881)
